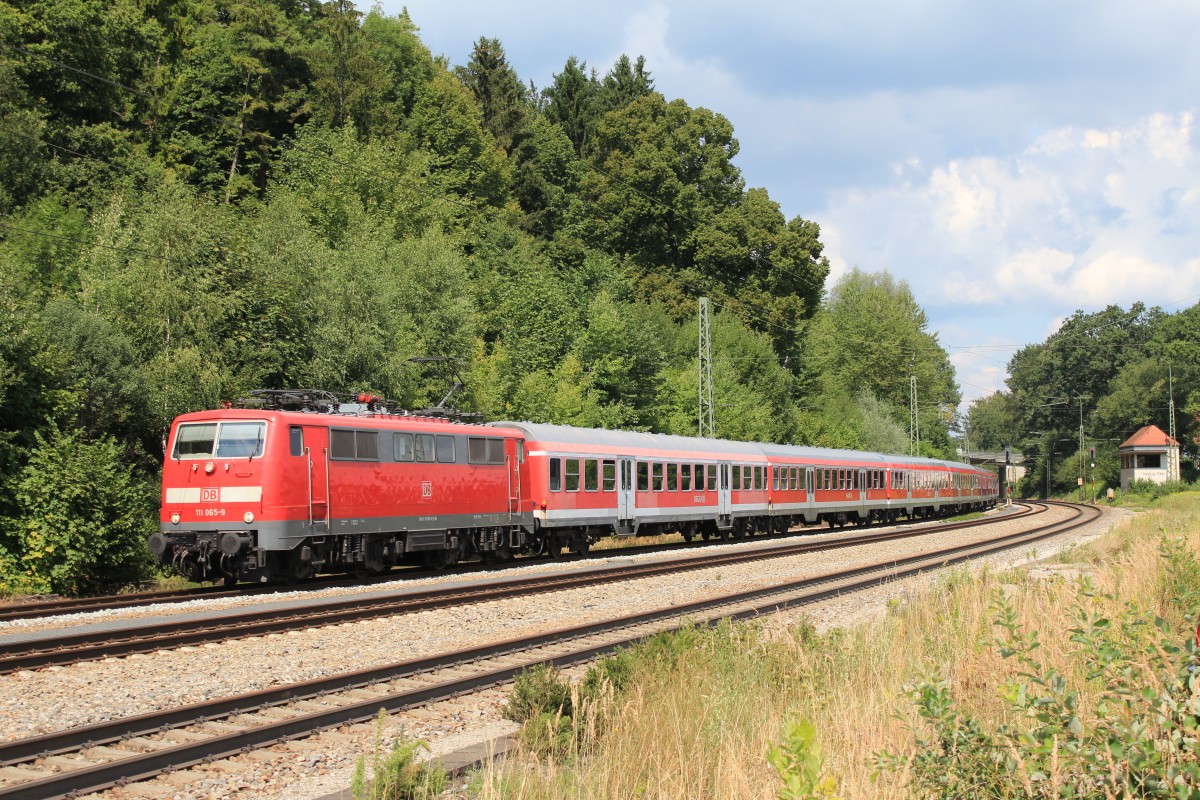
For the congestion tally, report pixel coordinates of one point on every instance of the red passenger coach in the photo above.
(588, 483)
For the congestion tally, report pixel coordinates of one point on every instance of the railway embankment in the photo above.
(1068, 662)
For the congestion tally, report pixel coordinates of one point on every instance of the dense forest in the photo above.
(203, 197)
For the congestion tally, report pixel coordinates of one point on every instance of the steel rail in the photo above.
(79, 605)
(144, 765)
(90, 645)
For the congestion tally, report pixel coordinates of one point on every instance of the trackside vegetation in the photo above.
(1076, 677)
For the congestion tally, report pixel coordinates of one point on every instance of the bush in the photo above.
(1154, 490)
(1141, 738)
(86, 518)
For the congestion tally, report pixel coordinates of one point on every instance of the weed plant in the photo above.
(395, 774)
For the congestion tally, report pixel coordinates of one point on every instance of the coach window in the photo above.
(737, 477)
(296, 440)
(657, 482)
(672, 477)
(712, 477)
(591, 475)
(571, 473)
(758, 477)
(685, 477)
(793, 478)
(556, 474)
(423, 447)
(609, 470)
(402, 447)
(699, 477)
(775, 479)
(643, 472)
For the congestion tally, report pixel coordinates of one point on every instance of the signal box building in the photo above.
(1149, 455)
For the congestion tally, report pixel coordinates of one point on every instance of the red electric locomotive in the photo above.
(271, 492)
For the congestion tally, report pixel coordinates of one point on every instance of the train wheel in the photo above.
(230, 581)
(687, 535)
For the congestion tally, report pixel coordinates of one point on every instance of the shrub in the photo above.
(85, 518)
(1153, 490)
(797, 760)
(1139, 739)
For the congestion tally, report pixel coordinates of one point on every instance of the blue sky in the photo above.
(1013, 162)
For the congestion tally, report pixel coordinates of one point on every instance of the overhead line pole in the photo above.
(708, 426)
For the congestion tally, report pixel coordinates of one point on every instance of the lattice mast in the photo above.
(708, 427)
(1172, 450)
(914, 422)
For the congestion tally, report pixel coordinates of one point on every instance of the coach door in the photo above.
(626, 492)
(724, 494)
(862, 486)
(316, 452)
(810, 485)
(514, 455)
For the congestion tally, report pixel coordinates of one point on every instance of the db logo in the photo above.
(426, 488)
(210, 495)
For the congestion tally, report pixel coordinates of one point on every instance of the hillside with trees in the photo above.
(203, 197)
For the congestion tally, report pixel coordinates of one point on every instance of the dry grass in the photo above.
(703, 728)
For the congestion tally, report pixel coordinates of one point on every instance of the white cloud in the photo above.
(1078, 219)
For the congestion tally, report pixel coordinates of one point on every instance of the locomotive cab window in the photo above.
(219, 440)
(484, 451)
(296, 440)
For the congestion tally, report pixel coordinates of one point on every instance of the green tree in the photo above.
(870, 337)
(571, 102)
(498, 91)
(623, 84)
(348, 75)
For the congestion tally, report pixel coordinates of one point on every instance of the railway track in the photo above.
(79, 605)
(100, 756)
(71, 648)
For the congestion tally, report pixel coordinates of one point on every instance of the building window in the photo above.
(1149, 461)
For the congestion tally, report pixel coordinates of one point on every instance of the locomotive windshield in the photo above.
(219, 440)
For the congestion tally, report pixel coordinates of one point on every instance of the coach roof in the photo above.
(566, 434)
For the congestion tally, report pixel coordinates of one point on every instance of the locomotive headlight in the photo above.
(175, 518)
(208, 468)
(248, 516)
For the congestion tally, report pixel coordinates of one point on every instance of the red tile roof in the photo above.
(1149, 436)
